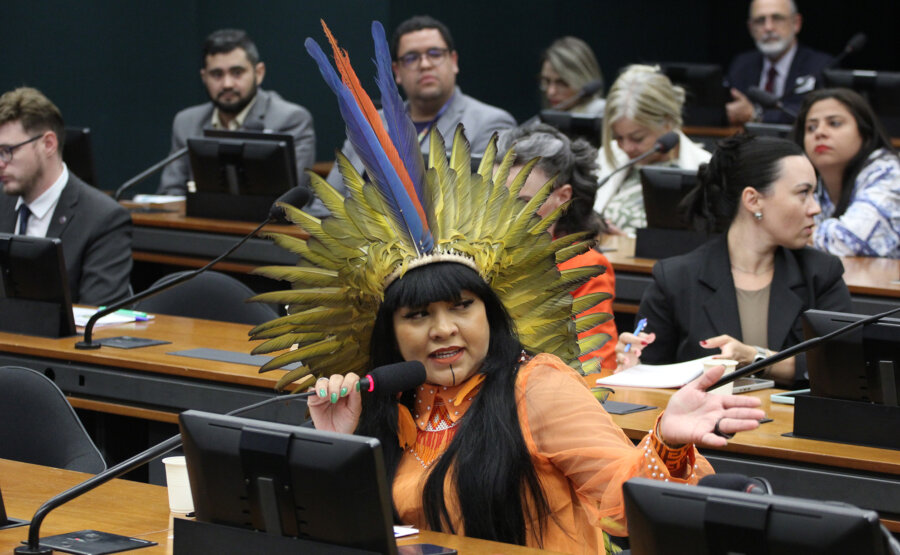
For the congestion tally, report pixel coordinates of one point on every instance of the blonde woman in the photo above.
(641, 106)
(566, 66)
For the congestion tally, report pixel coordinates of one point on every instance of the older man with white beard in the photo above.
(779, 65)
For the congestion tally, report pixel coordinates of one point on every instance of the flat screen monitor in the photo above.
(861, 365)
(664, 188)
(881, 89)
(779, 130)
(79, 155)
(243, 134)
(288, 481)
(705, 92)
(676, 519)
(575, 126)
(238, 178)
(34, 287)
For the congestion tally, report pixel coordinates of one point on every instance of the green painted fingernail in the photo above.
(344, 392)
(323, 392)
(334, 398)
(357, 386)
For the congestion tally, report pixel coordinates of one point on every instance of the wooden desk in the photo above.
(138, 510)
(873, 282)
(864, 476)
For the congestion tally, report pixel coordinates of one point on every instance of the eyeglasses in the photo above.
(435, 55)
(777, 19)
(6, 152)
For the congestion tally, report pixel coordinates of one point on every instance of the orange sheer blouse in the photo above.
(581, 456)
(604, 283)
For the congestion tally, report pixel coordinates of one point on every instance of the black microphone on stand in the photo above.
(797, 349)
(663, 145)
(385, 380)
(769, 101)
(296, 196)
(148, 172)
(589, 89)
(855, 44)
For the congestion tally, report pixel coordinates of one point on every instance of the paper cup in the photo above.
(180, 500)
(730, 366)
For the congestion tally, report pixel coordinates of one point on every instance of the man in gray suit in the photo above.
(232, 74)
(43, 199)
(425, 66)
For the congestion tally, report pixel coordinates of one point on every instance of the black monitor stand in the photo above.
(5, 521)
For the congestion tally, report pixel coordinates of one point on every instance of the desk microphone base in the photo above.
(193, 537)
(846, 421)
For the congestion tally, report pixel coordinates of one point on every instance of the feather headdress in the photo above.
(410, 215)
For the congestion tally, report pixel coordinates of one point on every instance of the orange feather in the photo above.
(348, 76)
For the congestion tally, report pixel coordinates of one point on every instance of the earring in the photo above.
(758, 215)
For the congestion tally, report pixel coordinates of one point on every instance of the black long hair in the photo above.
(738, 162)
(871, 131)
(492, 473)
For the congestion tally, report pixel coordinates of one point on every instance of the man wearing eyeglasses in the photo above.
(232, 73)
(42, 198)
(779, 65)
(425, 66)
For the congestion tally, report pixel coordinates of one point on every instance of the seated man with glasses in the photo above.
(779, 65)
(425, 67)
(44, 199)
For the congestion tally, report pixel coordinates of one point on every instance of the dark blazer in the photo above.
(96, 238)
(805, 75)
(693, 298)
(269, 113)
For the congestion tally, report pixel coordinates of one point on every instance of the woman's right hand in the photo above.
(337, 404)
(625, 360)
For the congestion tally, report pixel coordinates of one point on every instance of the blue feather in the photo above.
(400, 126)
(377, 164)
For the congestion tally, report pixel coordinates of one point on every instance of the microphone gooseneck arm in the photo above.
(797, 349)
(769, 101)
(148, 172)
(87, 342)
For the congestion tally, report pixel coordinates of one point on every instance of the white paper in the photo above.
(82, 315)
(156, 199)
(657, 375)
(403, 531)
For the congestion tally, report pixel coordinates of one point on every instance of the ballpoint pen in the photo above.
(642, 323)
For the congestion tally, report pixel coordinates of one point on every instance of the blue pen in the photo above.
(642, 323)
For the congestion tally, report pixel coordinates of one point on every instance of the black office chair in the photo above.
(40, 426)
(211, 296)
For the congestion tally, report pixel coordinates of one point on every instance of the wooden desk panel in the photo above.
(138, 510)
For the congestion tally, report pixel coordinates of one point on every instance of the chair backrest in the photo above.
(39, 426)
(210, 295)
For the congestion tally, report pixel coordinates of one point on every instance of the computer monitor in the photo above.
(238, 179)
(78, 154)
(676, 519)
(881, 89)
(705, 92)
(34, 287)
(664, 188)
(575, 126)
(779, 130)
(861, 365)
(243, 134)
(288, 481)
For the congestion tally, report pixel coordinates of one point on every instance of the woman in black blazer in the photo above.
(754, 279)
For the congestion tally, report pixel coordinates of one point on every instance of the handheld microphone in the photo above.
(663, 145)
(295, 196)
(769, 101)
(589, 89)
(737, 482)
(797, 349)
(384, 380)
(855, 44)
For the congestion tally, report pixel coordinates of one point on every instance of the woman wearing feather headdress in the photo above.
(451, 268)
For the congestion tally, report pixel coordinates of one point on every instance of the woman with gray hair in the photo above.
(641, 106)
(566, 66)
(574, 165)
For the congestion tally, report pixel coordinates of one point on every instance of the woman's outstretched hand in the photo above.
(336, 405)
(695, 416)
